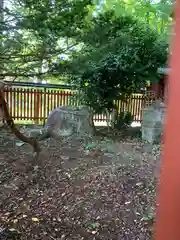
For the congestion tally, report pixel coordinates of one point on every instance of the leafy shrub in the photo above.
(123, 120)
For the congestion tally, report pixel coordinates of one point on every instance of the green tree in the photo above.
(120, 55)
(37, 33)
(157, 14)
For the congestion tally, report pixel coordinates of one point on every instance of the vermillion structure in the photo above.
(168, 211)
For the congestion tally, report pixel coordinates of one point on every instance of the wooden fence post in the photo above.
(45, 108)
(37, 106)
(1, 110)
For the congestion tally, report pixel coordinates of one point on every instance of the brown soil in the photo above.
(71, 194)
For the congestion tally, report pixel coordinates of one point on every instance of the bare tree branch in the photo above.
(32, 141)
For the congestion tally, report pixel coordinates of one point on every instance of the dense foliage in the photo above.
(119, 60)
(37, 33)
(45, 38)
(156, 14)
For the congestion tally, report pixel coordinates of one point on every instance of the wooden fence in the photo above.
(32, 105)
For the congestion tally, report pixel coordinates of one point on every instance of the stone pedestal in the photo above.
(153, 123)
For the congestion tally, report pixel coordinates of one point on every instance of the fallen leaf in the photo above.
(94, 225)
(139, 184)
(12, 229)
(19, 144)
(35, 219)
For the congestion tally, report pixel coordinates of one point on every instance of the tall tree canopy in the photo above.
(156, 13)
(35, 33)
(43, 38)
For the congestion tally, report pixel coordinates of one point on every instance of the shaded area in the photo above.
(77, 191)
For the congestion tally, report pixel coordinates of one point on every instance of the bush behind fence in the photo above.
(32, 105)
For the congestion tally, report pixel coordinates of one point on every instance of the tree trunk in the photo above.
(92, 122)
(32, 141)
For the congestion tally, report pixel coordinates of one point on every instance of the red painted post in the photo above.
(168, 211)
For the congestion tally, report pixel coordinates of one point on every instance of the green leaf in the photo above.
(93, 226)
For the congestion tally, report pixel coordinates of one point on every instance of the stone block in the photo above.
(153, 123)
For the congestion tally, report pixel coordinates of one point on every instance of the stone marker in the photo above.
(67, 121)
(153, 123)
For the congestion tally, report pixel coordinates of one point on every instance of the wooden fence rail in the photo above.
(32, 105)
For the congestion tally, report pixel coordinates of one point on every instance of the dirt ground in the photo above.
(78, 189)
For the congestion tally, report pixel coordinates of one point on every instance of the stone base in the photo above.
(151, 134)
(153, 123)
